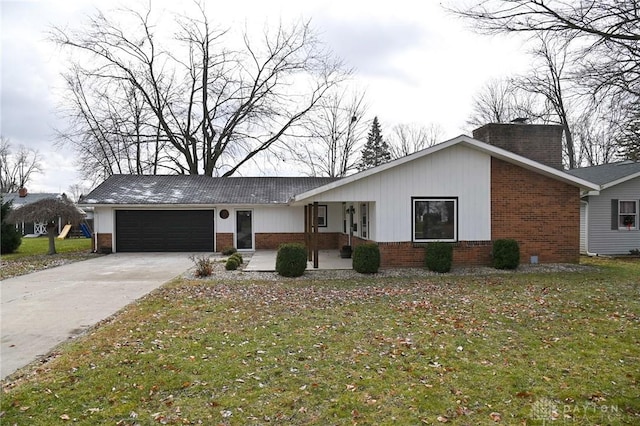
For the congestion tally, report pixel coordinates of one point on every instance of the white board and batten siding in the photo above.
(601, 239)
(459, 171)
(583, 227)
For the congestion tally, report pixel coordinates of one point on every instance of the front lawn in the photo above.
(463, 350)
(40, 245)
(32, 255)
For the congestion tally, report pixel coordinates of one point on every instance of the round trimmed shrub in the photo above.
(439, 257)
(506, 254)
(232, 264)
(366, 258)
(10, 237)
(291, 260)
(228, 251)
(238, 257)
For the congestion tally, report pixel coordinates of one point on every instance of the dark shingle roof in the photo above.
(607, 173)
(188, 189)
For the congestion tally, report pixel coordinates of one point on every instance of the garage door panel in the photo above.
(164, 230)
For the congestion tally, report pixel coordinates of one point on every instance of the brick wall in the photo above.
(541, 213)
(401, 255)
(224, 240)
(104, 243)
(343, 240)
(408, 254)
(271, 241)
(472, 253)
(539, 142)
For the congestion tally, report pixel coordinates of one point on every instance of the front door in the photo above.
(244, 230)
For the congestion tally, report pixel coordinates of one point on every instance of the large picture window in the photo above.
(435, 219)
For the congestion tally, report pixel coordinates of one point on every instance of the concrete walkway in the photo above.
(265, 261)
(42, 309)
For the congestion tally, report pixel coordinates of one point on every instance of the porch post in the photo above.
(315, 235)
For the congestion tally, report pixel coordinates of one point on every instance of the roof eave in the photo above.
(491, 150)
(200, 206)
(532, 165)
(297, 199)
(621, 180)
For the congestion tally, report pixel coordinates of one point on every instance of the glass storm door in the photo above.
(244, 230)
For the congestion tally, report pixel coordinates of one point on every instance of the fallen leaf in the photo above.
(442, 419)
(496, 417)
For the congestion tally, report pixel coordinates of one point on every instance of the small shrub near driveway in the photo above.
(439, 257)
(204, 266)
(366, 258)
(506, 254)
(291, 260)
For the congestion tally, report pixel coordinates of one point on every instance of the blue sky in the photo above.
(417, 63)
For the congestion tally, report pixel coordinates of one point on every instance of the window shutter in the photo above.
(614, 215)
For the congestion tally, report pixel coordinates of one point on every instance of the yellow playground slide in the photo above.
(64, 232)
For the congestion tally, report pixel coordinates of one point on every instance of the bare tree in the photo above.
(76, 191)
(334, 132)
(17, 168)
(48, 211)
(191, 105)
(501, 101)
(608, 52)
(406, 139)
(549, 80)
(112, 129)
(596, 133)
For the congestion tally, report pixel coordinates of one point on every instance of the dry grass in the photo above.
(509, 349)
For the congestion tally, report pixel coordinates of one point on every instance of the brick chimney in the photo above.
(538, 142)
(22, 192)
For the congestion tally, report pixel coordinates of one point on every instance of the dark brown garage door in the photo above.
(164, 230)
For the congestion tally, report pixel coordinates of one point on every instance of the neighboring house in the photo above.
(23, 197)
(610, 217)
(462, 191)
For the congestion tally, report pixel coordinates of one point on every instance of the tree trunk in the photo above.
(51, 233)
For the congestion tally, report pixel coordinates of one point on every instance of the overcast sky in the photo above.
(417, 63)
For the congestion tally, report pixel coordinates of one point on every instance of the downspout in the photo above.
(586, 232)
(95, 232)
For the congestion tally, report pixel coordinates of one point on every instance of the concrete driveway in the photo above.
(42, 309)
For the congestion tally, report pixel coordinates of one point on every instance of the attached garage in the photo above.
(164, 230)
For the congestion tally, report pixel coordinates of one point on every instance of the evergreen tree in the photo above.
(9, 235)
(629, 138)
(376, 150)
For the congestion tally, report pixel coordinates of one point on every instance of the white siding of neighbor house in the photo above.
(455, 172)
(601, 239)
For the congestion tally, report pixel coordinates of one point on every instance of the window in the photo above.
(364, 220)
(435, 219)
(322, 216)
(627, 214)
(344, 217)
